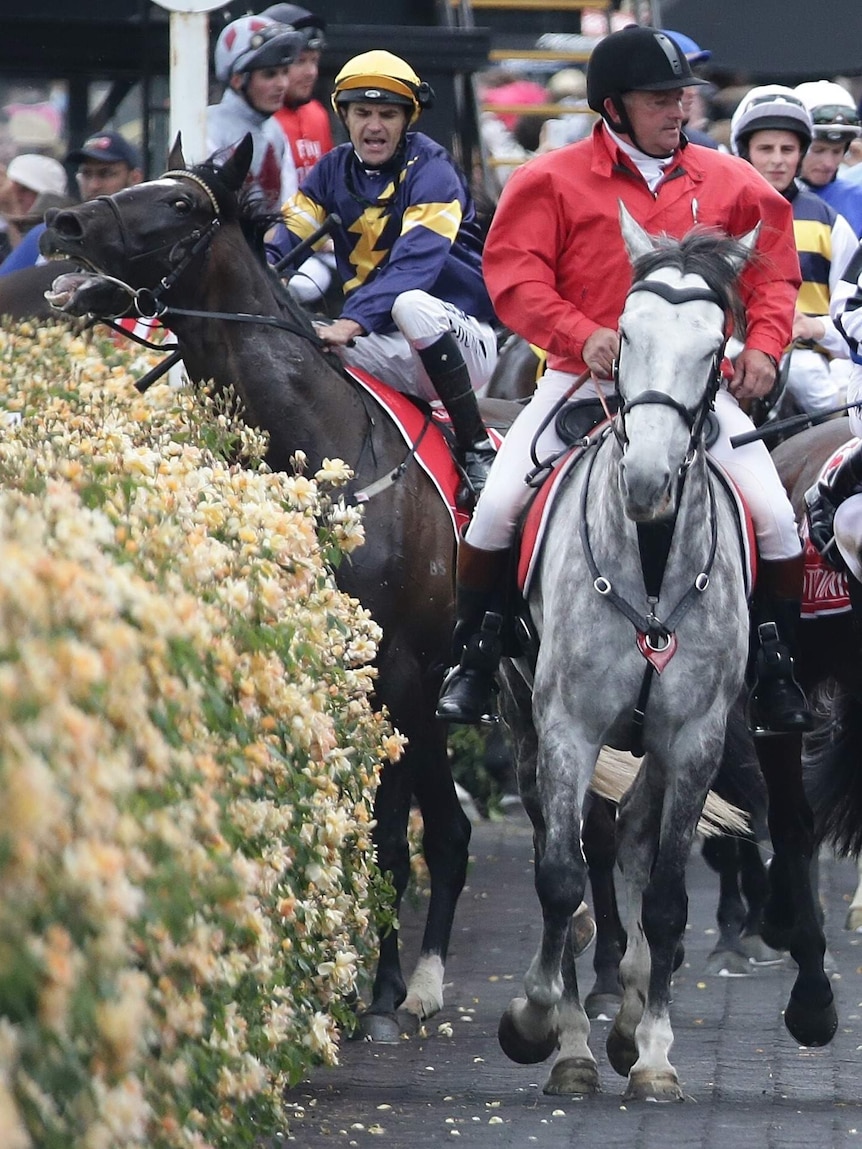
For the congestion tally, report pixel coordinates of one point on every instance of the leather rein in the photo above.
(149, 303)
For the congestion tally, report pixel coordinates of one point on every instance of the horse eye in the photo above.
(183, 206)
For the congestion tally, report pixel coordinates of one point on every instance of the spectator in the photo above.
(694, 113)
(29, 179)
(106, 163)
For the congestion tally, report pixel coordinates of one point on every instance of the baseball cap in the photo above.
(690, 48)
(108, 148)
(38, 173)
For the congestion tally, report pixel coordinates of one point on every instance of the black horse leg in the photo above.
(599, 838)
(728, 957)
(791, 913)
(754, 880)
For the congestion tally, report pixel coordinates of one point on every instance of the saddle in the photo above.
(581, 424)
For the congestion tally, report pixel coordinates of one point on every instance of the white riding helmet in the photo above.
(255, 42)
(770, 106)
(834, 115)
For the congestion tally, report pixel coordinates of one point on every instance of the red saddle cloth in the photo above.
(538, 514)
(824, 590)
(432, 453)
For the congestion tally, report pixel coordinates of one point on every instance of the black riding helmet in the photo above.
(635, 59)
(312, 26)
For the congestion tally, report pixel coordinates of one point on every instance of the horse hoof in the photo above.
(756, 949)
(382, 1028)
(516, 1045)
(573, 1077)
(622, 1052)
(648, 1085)
(854, 919)
(728, 963)
(583, 929)
(408, 1022)
(602, 1006)
(811, 1027)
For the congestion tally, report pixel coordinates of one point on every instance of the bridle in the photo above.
(695, 416)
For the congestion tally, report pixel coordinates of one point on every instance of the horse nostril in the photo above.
(65, 223)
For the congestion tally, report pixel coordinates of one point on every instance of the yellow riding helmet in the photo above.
(381, 76)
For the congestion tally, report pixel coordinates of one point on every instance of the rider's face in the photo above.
(656, 119)
(302, 76)
(265, 89)
(375, 130)
(822, 161)
(775, 154)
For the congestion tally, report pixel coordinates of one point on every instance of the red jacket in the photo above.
(556, 265)
(308, 132)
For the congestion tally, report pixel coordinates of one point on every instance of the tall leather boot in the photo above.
(448, 372)
(825, 497)
(467, 692)
(777, 704)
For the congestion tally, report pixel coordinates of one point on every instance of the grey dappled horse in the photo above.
(590, 673)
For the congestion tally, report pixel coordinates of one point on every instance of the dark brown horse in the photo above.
(181, 238)
(22, 293)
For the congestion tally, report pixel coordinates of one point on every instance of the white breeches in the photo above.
(816, 383)
(421, 320)
(751, 468)
(312, 279)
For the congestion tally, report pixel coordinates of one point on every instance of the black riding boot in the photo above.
(467, 692)
(448, 372)
(777, 704)
(825, 497)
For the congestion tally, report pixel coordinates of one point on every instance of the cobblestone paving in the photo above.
(749, 1086)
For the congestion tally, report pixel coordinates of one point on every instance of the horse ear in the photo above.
(176, 160)
(234, 171)
(749, 242)
(637, 241)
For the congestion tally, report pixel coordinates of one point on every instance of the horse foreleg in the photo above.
(792, 915)
(574, 1073)
(530, 1027)
(603, 1000)
(637, 830)
(754, 879)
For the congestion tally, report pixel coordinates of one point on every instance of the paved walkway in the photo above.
(749, 1085)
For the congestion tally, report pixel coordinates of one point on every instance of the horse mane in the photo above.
(244, 209)
(716, 257)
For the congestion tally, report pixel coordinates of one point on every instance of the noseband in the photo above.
(693, 417)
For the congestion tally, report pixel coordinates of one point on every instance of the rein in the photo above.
(149, 304)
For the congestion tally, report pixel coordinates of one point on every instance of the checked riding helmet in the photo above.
(380, 76)
(253, 42)
(635, 59)
(771, 106)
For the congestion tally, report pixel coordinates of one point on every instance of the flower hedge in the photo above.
(188, 762)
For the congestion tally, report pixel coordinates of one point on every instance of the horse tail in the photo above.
(833, 774)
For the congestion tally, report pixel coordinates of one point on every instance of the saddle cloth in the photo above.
(538, 514)
(432, 453)
(825, 589)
